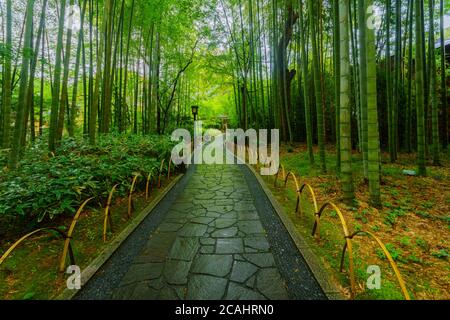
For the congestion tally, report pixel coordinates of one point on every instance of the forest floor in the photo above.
(414, 223)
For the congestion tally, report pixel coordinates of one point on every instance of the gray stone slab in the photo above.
(207, 249)
(270, 284)
(205, 195)
(167, 293)
(262, 260)
(156, 284)
(224, 223)
(144, 292)
(211, 264)
(123, 292)
(226, 202)
(203, 287)
(142, 272)
(176, 272)
(202, 220)
(184, 248)
(248, 215)
(193, 230)
(157, 248)
(225, 233)
(208, 241)
(229, 246)
(169, 227)
(242, 271)
(251, 227)
(238, 292)
(259, 243)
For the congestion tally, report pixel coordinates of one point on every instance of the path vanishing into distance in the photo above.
(216, 236)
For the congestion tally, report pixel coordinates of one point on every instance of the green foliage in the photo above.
(46, 186)
(395, 252)
(441, 254)
(362, 215)
(413, 258)
(405, 241)
(391, 218)
(423, 244)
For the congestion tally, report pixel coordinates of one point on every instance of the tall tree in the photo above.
(362, 26)
(337, 80)
(420, 85)
(389, 90)
(73, 110)
(443, 78)
(304, 64)
(64, 102)
(345, 109)
(96, 89)
(57, 80)
(107, 77)
(7, 92)
(313, 17)
(373, 137)
(30, 92)
(27, 53)
(285, 76)
(433, 88)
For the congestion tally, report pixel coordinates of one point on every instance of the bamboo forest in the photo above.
(347, 101)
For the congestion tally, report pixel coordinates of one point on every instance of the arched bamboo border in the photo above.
(262, 162)
(130, 195)
(160, 173)
(291, 174)
(18, 242)
(388, 256)
(108, 219)
(147, 186)
(278, 173)
(313, 196)
(346, 237)
(170, 166)
(62, 263)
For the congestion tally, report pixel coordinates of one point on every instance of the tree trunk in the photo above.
(337, 79)
(345, 110)
(64, 103)
(362, 26)
(73, 108)
(420, 85)
(57, 81)
(318, 90)
(304, 62)
(443, 79)
(30, 93)
(433, 90)
(373, 137)
(7, 92)
(16, 147)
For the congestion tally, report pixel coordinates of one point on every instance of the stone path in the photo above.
(210, 244)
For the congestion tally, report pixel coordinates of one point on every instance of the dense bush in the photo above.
(45, 186)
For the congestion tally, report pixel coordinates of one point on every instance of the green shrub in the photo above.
(47, 186)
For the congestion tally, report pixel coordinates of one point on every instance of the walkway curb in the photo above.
(98, 262)
(305, 250)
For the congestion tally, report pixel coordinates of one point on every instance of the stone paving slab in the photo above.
(211, 244)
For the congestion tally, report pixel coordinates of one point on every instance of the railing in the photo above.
(348, 237)
(108, 219)
(18, 242)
